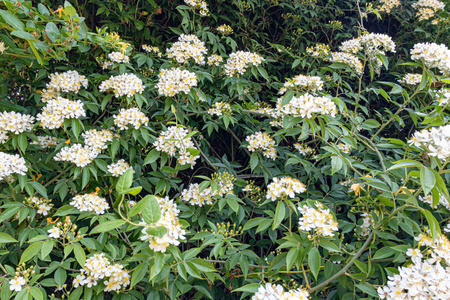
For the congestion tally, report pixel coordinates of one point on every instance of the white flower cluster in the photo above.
(78, 154)
(169, 219)
(238, 62)
(97, 140)
(225, 186)
(429, 199)
(225, 29)
(426, 9)
(45, 141)
(11, 164)
(318, 50)
(276, 292)
(173, 81)
(371, 43)
(131, 116)
(188, 46)
(320, 220)
(285, 187)
(433, 56)
(120, 167)
(427, 277)
(118, 57)
(435, 140)
(57, 110)
(367, 222)
(43, 205)
(90, 202)
(200, 5)
(14, 123)
(304, 149)
(214, 60)
(261, 141)
(69, 81)
(348, 59)
(106, 64)
(220, 108)
(443, 97)
(123, 85)
(308, 83)
(98, 268)
(388, 5)
(306, 105)
(174, 140)
(411, 79)
(152, 49)
(344, 148)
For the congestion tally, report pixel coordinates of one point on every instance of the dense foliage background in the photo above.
(227, 172)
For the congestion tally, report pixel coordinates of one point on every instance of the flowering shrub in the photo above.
(282, 155)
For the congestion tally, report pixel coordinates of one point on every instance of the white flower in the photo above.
(15, 123)
(284, 187)
(16, 284)
(69, 82)
(45, 141)
(320, 220)
(435, 140)
(55, 232)
(11, 164)
(411, 79)
(131, 116)
(268, 292)
(261, 141)
(77, 154)
(79, 281)
(90, 202)
(59, 109)
(307, 105)
(152, 49)
(174, 81)
(426, 9)
(433, 56)
(220, 108)
(188, 46)
(119, 168)
(388, 5)
(97, 140)
(118, 57)
(200, 5)
(173, 141)
(238, 62)
(214, 60)
(308, 83)
(123, 85)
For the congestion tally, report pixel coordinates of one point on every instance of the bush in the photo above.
(190, 150)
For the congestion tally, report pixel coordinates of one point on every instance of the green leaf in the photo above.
(52, 31)
(330, 246)
(138, 274)
(287, 98)
(132, 191)
(47, 248)
(12, 20)
(158, 265)
(427, 180)
(31, 251)
(125, 181)
(159, 231)
(23, 35)
(39, 187)
(314, 261)
(151, 157)
(6, 238)
(76, 294)
(383, 253)
(149, 208)
(250, 288)
(108, 226)
(368, 289)
(36, 293)
(85, 178)
(254, 160)
(406, 163)
(79, 254)
(280, 213)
